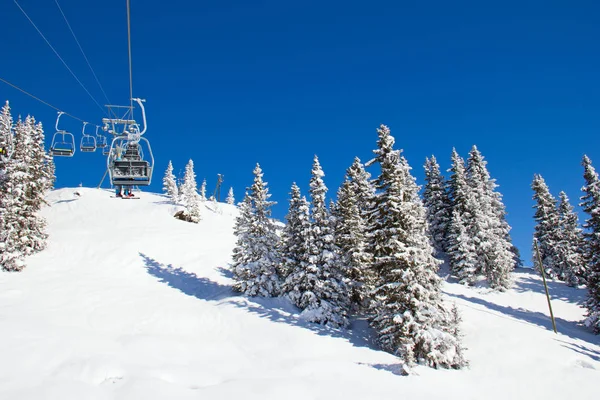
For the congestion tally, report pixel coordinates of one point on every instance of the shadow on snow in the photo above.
(558, 290)
(276, 309)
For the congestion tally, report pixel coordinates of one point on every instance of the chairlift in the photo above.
(100, 140)
(88, 142)
(126, 162)
(63, 142)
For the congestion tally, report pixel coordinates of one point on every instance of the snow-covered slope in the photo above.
(129, 303)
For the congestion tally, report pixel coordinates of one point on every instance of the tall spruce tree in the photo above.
(590, 202)
(461, 247)
(351, 240)
(490, 230)
(296, 269)
(437, 204)
(409, 315)
(546, 227)
(569, 251)
(327, 299)
(257, 275)
(170, 184)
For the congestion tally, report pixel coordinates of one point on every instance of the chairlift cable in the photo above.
(59, 57)
(82, 52)
(40, 100)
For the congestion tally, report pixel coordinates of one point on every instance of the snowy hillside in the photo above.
(129, 303)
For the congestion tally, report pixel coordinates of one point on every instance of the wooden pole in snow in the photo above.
(537, 251)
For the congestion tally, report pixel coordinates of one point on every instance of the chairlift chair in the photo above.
(88, 142)
(63, 142)
(126, 165)
(100, 140)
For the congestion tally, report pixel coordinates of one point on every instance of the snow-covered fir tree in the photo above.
(489, 228)
(437, 204)
(459, 240)
(230, 198)
(590, 202)
(408, 312)
(326, 300)
(350, 238)
(546, 227)
(295, 269)
(170, 184)
(189, 194)
(570, 257)
(256, 256)
(27, 177)
(203, 190)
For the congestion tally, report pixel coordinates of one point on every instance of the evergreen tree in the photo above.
(203, 191)
(189, 194)
(409, 314)
(490, 230)
(570, 259)
(230, 198)
(170, 185)
(294, 250)
(350, 238)
(437, 204)
(459, 240)
(258, 244)
(546, 228)
(590, 202)
(327, 300)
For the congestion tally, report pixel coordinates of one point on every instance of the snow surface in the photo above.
(129, 303)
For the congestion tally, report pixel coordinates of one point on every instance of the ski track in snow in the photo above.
(128, 303)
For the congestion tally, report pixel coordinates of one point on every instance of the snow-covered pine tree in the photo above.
(459, 239)
(570, 258)
(189, 194)
(294, 249)
(409, 315)
(241, 252)
(327, 300)
(590, 202)
(22, 231)
(257, 276)
(351, 240)
(230, 198)
(437, 203)
(203, 190)
(170, 184)
(546, 227)
(490, 230)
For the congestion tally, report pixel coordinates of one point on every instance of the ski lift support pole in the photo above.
(537, 252)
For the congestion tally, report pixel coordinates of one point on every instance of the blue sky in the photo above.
(233, 83)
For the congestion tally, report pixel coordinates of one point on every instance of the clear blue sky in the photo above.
(232, 83)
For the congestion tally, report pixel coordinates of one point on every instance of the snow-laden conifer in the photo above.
(296, 270)
(409, 315)
(203, 191)
(230, 197)
(189, 194)
(170, 184)
(327, 298)
(489, 228)
(350, 238)
(437, 204)
(570, 258)
(256, 257)
(546, 226)
(590, 202)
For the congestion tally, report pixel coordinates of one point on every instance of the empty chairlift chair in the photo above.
(88, 142)
(100, 141)
(63, 142)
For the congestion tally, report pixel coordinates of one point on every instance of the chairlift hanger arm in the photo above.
(58, 119)
(140, 102)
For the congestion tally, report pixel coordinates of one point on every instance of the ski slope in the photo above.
(129, 303)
